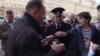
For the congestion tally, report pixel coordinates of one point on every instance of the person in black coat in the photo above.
(58, 25)
(25, 38)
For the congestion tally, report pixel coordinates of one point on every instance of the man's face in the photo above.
(82, 21)
(99, 12)
(71, 16)
(10, 17)
(40, 15)
(58, 19)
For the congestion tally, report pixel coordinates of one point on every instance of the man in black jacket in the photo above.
(5, 27)
(58, 25)
(25, 38)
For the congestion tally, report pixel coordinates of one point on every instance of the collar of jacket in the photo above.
(59, 24)
(32, 22)
(93, 28)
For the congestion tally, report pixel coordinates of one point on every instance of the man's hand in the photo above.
(46, 40)
(57, 47)
(61, 34)
(87, 43)
(49, 37)
(95, 46)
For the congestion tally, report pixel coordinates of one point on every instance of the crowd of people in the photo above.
(32, 35)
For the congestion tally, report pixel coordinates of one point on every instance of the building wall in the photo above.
(18, 6)
(71, 6)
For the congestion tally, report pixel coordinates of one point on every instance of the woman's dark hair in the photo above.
(97, 52)
(86, 15)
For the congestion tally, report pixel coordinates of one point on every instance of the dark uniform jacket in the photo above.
(51, 30)
(25, 38)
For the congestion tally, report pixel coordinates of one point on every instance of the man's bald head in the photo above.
(71, 16)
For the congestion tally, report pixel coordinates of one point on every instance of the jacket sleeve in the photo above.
(96, 39)
(4, 35)
(3, 32)
(51, 53)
